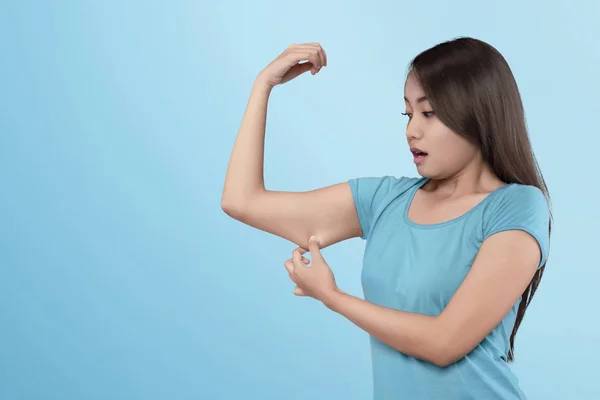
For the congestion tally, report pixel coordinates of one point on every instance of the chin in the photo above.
(422, 172)
(425, 173)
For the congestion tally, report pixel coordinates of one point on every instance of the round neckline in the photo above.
(450, 221)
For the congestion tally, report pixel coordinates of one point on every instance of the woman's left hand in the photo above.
(315, 280)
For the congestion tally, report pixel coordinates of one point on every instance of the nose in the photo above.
(414, 130)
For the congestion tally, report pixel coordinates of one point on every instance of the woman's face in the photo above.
(447, 153)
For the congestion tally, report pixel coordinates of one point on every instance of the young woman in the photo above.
(453, 257)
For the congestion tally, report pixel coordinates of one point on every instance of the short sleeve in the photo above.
(522, 207)
(369, 194)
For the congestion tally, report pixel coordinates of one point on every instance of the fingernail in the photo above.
(314, 238)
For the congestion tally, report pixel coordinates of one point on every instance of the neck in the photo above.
(476, 177)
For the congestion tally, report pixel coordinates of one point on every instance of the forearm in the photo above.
(245, 170)
(417, 335)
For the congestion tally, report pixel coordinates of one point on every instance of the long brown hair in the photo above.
(473, 92)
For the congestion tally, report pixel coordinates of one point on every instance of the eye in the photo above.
(427, 114)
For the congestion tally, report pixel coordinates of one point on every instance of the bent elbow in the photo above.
(234, 210)
(446, 353)
(444, 360)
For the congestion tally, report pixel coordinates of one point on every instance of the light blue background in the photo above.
(120, 276)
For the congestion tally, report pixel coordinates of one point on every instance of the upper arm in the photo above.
(498, 277)
(332, 213)
(515, 244)
(328, 212)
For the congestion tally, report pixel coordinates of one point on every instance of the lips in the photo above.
(418, 155)
(417, 152)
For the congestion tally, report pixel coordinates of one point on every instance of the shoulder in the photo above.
(516, 197)
(381, 185)
(371, 194)
(386, 180)
(519, 207)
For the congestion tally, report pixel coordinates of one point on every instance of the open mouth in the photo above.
(418, 155)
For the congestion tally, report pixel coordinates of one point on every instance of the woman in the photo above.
(452, 257)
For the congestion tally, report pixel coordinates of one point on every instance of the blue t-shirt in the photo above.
(417, 268)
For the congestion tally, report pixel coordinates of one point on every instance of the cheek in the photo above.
(451, 149)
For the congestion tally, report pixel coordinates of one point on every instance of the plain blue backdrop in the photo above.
(121, 277)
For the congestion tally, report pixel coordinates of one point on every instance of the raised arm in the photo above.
(328, 212)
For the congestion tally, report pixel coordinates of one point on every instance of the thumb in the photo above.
(297, 70)
(314, 248)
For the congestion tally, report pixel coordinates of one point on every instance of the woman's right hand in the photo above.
(287, 66)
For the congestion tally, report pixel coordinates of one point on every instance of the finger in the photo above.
(301, 67)
(314, 248)
(306, 46)
(289, 266)
(298, 291)
(302, 250)
(313, 45)
(322, 58)
(297, 258)
(297, 70)
(302, 45)
(304, 260)
(309, 54)
(322, 53)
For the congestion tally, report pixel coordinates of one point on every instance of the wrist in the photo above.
(262, 85)
(333, 298)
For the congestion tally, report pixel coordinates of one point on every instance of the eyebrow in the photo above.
(419, 100)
